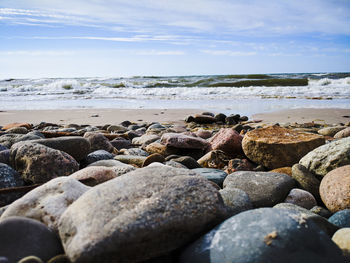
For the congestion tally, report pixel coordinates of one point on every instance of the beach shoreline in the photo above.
(115, 116)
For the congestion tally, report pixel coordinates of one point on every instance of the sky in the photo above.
(114, 38)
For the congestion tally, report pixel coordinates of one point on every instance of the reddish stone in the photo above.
(94, 175)
(183, 141)
(228, 141)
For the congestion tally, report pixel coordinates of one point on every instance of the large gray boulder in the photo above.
(263, 188)
(47, 202)
(327, 157)
(139, 215)
(264, 235)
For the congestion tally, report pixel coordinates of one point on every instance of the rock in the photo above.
(235, 165)
(283, 170)
(220, 117)
(335, 189)
(9, 177)
(118, 167)
(232, 119)
(156, 147)
(264, 235)
(306, 180)
(243, 118)
(147, 211)
(117, 129)
(145, 139)
(30, 259)
(99, 142)
(21, 237)
(75, 146)
(155, 128)
(98, 156)
(321, 211)
(155, 157)
(189, 119)
(188, 161)
(330, 131)
(236, 200)
(203, 119)
(276, 147)
(214, 175)
(3, 148)
(341, 218)
(4, 260)
(121, 143)
(18, 130)
(17, 124)
(39, 164)
(8, 140)
(47, 202)
(174, 164)
(5, 156)
(301, 198)
(228, 141)
(94, 175)
(131, 159)
(327, 157)
(343, 133)
(59, 259)
(183, 141)
(208, 113)
(204, 134)
(214, 159)
(321, 222)
(263, 188)
(342, 239)
(135, 151)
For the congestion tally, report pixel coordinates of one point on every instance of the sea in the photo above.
(244, 94)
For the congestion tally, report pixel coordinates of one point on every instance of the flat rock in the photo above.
(327, 157)
(335, 189)
(18, 130)
(131, 159)
(214, 159)
(184, 141)
(8, 140)
(118, 167)
(21, 237)
(214, 175)
(264, 235)
(75, 146)
(263, 188)
(145, 139)
(135, 151)
(117, 128)
(306, 180)
(301, 198)
(236, 200)
(94, 175)
(342, 239)
(47, 202)
(341, 218)
(99, 142)
(275, 147)
(9, 177)
(17, 124)
(38, 163)
(227, 140)
(147, 211)
(203, 119)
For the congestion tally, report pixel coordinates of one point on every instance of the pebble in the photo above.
(306, 180)
(9, 177)
(343, 133)
(341, 218)
(214, 159)
(99, 142)
(342, 239)
(121, 143)
(155, 157)
(97, 156)
(183, 141)
(214, 175)
(94, 175)
(187, 161)
(236, 200)
(227, 140)
(331, 131)
(301, 198)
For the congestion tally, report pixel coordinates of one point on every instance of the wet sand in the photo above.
(115, 116)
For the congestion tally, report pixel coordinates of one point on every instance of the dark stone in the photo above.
(243, 118)
(21, 237)
(341, 218)
(189, 119)
(207, 113)
(59, 259)
(264, 235)
(125, 123)
(3, 148)
(188, 161)
(236, 200)
(263, 188)
(99, 142)
(9, 177)
(220, 117)
(155, 157)
(75, 146)
(215, 175)
(321, 211)
(121, 143)
(98, 156)
(5, 156)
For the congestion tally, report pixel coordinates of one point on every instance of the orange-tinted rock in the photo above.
(283, 170)
(155, 157)
(239, 165)
(227, 140)
(17, 124)
(156, 147)
(335, 189)
(275, 147)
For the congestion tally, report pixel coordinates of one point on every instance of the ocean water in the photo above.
(246, 94)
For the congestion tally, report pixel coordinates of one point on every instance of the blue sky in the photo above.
(106, 38)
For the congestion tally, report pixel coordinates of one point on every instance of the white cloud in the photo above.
(159, 52)
(228, 53)
(37, 53)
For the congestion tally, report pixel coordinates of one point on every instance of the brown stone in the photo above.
(155, 157)
(17, 124)
(203, 119)
(94, 175)
(214, 159)
(283, 170)
(227, 140)
(335, 189)
(183, 141)
(275, 147)
(239, 165)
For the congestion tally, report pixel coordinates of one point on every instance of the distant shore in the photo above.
(115, 116)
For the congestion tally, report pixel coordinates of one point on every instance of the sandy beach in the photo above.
(115, 116)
